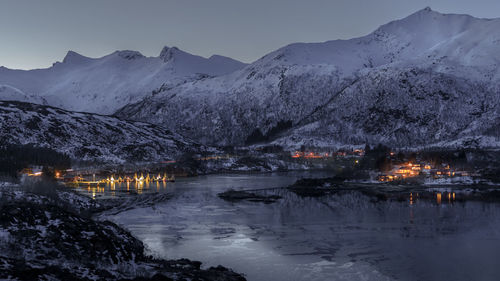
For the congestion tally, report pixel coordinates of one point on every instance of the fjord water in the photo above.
(348, 237)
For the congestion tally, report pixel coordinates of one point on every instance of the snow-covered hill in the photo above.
(428, 78)
(86, 136)
(105, 84)
(11, 93)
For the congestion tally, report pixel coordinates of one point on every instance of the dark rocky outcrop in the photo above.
(240, 195)
(42, 240)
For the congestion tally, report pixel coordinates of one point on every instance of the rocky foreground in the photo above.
(48, 234)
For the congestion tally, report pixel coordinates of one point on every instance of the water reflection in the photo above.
(339, 237)
(123, 188)
(450, 195)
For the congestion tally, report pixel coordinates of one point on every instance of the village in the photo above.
(422, 167)
(396, 167)
(410, 170)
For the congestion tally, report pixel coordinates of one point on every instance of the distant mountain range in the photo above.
(429, 79)
(106, 84)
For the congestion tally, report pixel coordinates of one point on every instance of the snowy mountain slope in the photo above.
(404, 108)
(105, 84)
(350, 91)
(11, 93)
(86, 136)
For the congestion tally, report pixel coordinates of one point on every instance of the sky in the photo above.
(37, 33)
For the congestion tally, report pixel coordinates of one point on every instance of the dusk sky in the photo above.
(35, 34)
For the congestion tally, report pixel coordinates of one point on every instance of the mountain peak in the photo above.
(425, 12)
(74, 57)
(429, 24)
(167, 53)
(129, 55)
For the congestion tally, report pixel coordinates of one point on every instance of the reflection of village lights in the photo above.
(438, 198)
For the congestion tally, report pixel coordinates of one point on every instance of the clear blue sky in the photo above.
(36, 33)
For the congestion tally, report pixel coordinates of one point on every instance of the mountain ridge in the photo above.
(294, 82)
(104, 84)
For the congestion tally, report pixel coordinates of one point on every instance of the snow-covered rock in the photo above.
(86, 136)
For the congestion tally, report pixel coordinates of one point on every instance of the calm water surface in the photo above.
(331, 238)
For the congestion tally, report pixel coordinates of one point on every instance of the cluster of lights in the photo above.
(408, 170)
(139, 179)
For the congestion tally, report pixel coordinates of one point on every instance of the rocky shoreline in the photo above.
(313, 187)
(378, 192)
(50, 234)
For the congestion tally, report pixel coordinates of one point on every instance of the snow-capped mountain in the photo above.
(105, 84)
(425, 79)
(87, 136)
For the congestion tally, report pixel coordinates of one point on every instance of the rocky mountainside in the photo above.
(88, 136)
(428, 79)
(105, 84)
